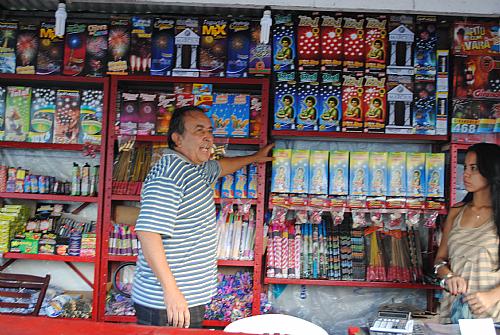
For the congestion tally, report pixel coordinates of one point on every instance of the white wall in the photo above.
(444, 7)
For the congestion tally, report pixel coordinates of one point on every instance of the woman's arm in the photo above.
(453, 283)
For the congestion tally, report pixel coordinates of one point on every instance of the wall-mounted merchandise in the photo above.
(476, 78)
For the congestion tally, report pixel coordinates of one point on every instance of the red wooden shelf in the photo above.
(220, 262)
(218, 81)
(358, 136)
(350, 283)
(126, 197)
(26, 78)
(121, 258)
(54, 258)
(215, 323)
(55, 197)
(120, 318)
(46, 146)
(217, 140)
(228, 262)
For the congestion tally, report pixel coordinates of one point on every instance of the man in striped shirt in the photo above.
(177, 267)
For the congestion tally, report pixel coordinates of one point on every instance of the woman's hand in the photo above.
(480, 302)
(456, 285)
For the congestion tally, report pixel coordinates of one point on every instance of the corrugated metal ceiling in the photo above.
(127, 7)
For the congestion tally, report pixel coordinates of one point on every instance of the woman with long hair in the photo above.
(468, 260)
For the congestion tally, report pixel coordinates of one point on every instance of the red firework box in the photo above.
(27, 48)
(354, 43)
(308, 43)
(352, 106)
(184, 99)
(332, 48)
(50, 52)
(74, 49)
(213, 47)
(374, 104)
(375, 43)
(140, 45)
(255, 116)
(118, 47)
(476, 38)
(67, 118)
(477, 77)
(129, 113)
(97, 48)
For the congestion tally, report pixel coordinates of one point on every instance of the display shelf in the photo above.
(217, 140)
(44, 146)
(229, 262)
(348, 136)
(54, 197)
(79, 150)
(258, 86)
(215, 323)
(46, 257)
(120, 318)
(126, 197)
(120, 258)
(372, 284)
(220, 262)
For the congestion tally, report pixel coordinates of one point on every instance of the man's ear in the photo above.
(177, 139)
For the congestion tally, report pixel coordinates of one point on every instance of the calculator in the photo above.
(389, 322)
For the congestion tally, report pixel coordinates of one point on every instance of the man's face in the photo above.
(309, 103)
(197, 141)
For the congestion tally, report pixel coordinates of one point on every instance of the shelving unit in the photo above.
(64, 83)
(435, 141)
(254, 85)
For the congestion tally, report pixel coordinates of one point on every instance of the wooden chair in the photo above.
(16, 283)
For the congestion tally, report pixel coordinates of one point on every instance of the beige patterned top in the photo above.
(473, 255)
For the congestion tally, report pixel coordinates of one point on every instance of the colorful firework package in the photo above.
(162, 47)
(308, 43)
(354, 47)
(147, 114)
(255, 116)
(374, 104)
(129, 116)
(260, 53)
(74, 49)
(424, 112)
(376, 43)
(66, 125)
(164, 111)
(140, 45)
(7, 47)
(285, 105)
(332, 49)
(238, 49)
(2, 111)
(91, 108)
(26, 48)
(284, 44)
(329, 101)
(118, 47)
(352, 108)
(425, 48)
(17, 113)
(43, 105)
(97, 48)
(213, 48)
(50, 52)
(307, 101)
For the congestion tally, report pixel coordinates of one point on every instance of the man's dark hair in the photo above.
(177, 122)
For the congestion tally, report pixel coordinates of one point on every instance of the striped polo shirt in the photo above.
(177, 203)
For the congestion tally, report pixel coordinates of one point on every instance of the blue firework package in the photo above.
(162, 47)
(238, 49)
